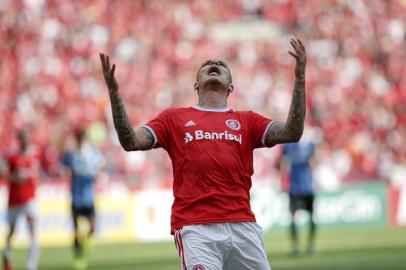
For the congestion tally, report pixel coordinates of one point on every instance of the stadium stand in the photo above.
(51, 79)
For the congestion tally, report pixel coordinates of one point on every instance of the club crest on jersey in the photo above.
(233, 124)
(198, 267)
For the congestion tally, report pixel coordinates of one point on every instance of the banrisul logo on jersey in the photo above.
(233, 124)
(206, 135)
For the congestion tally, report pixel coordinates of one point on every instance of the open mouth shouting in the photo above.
(213, 71)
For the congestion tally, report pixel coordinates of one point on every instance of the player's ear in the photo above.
(230, 89)
(196, 86)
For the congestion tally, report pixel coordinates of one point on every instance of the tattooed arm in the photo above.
(292, 130)
(130, 139)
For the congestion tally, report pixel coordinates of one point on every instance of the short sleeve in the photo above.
(259, 126)
(312, 148)
(159, 129)
(284, 150)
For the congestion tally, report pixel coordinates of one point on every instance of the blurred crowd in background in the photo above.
(51, 80)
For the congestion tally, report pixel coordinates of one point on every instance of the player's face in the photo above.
(214, 72)
(80, 137)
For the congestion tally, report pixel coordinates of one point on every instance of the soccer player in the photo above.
(301, 196)
(211, 148)
(83, 164)
(23, 175)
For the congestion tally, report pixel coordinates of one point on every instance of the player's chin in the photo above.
(215, 80)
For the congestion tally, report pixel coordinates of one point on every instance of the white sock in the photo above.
(33, 254)
(7, 250)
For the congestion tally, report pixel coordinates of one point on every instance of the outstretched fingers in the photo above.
(301, 45)
(103, 61)
(112, 70)
(294, 55)
(298, 47)
(108, 62)
(294, 44)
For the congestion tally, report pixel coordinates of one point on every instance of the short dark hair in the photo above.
(80, 134)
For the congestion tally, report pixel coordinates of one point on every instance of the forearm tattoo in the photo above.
(129, 139)
(292, 130)
(297, 111)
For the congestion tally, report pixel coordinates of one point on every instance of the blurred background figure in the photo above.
(22, 172)
(82, 164)
(297, 161)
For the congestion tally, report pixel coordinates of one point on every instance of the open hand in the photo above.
(108, 73)
(299, 55)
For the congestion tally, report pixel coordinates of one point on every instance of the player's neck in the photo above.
(212, 99)
(23, 151)
(80, 146)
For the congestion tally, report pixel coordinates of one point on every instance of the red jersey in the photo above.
(212, 158)
(20, 193)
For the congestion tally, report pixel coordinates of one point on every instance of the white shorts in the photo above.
(29, 209)
(217, 246)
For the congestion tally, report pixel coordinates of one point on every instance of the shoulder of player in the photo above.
(13, 156)
(244, 113)
(182, 110)
(170, 112)
(174, 110)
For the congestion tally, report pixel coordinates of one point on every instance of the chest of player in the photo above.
(22, 162)
(83, 163)
(209, 129)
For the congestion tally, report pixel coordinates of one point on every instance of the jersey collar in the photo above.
(209, 109)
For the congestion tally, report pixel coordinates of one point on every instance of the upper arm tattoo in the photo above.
(130, 140)
(144, 139)
(275, 134)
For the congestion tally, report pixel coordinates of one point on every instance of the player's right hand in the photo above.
(300, 55)
(108, 73)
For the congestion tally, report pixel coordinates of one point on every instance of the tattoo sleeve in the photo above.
(130, 140)
(297, 111)
(292, 130)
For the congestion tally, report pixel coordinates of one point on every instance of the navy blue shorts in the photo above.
(301, 202)
(88, 212)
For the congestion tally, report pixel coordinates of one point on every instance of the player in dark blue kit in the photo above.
(298, 157)
(83, 163)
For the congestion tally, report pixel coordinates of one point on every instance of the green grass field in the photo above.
(349, 249)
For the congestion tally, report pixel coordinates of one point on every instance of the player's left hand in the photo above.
(108, 73)
(300, 57)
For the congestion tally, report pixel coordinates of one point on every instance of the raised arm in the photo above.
(130, 139)
(292, 130)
